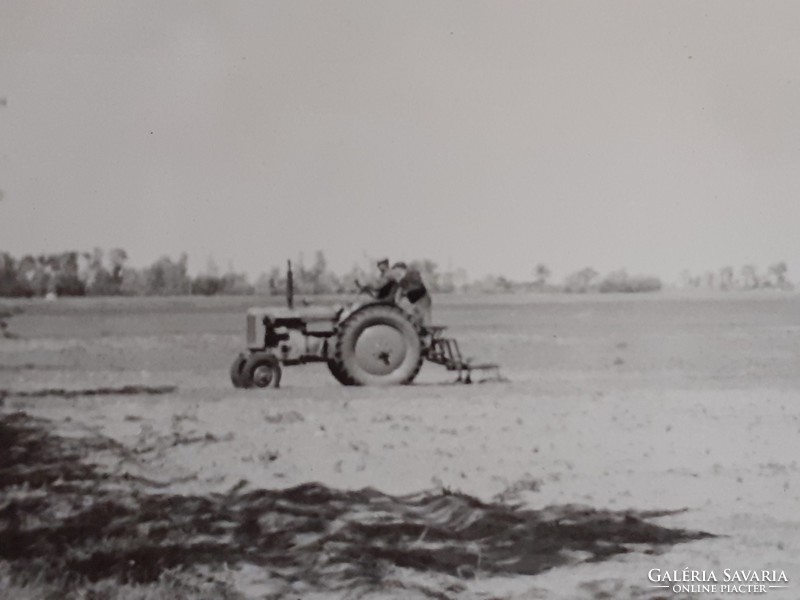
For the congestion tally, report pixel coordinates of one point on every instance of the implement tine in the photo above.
(454, 357)
(462, 363)
(446, 351)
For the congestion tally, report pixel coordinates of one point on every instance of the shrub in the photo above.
(621, 282)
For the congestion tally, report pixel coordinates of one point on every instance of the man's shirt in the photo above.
(384, 287)
(412, 285)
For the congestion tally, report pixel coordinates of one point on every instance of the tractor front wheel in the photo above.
(260, 370)
(236, 370)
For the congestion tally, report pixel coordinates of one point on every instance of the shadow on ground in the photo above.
(62, 515)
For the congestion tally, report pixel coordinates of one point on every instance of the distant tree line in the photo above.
(108, 273)
(63, 274)
(747, 277)
(100, 273)
(589, 280)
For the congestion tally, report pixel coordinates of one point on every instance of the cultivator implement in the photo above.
(446, 352)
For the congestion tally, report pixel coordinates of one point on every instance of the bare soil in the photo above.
(633, 433)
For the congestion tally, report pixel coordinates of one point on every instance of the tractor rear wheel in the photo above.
(260, 370)
(377, 345)
(336, 370)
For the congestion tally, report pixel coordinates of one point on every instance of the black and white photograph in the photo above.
(399, 300)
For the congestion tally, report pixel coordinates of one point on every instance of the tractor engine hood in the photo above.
(267, 326)
(306, 314)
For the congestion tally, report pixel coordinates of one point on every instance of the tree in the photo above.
(542, 273)
(356, 273)
(581, 281)
(621, 282)
(263, 286)
(777, 273)
(616, 281)
(117, 258)
(206, 285)
(167, 278)
(209, 282)
(32, 273)
(750, 277)
(710, 280)
(322, 281)
(67, 277)
(429, 271)
(685, 279)
(98, 279)
(10, 284)
(236, 284)
(726, 278)
(491, 284)
(133, 282)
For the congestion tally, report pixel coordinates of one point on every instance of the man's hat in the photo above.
(400, 265)
(383, 261)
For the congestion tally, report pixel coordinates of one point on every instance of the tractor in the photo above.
(366, 343)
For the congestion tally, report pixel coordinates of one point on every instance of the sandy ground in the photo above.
(642, 403)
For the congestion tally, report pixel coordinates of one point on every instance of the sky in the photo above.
(654, 136)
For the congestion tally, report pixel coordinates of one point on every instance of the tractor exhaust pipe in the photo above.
(289, 285)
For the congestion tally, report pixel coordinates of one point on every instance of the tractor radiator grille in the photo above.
(251, 330)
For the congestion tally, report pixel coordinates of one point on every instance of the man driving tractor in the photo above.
(403, 286)
(386, 285)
